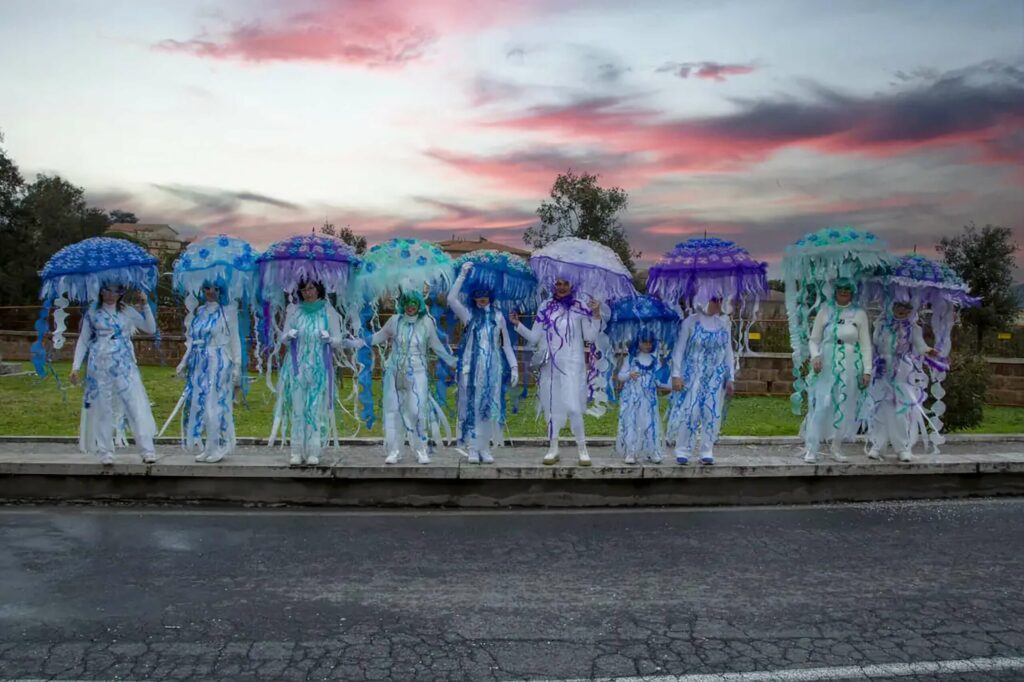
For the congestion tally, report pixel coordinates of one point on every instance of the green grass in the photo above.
(32, 406)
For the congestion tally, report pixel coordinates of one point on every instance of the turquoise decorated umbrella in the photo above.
(76, 273)
(810, 268)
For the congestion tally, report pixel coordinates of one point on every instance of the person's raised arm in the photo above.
(455, 295)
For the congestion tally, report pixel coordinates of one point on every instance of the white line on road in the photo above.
(852, 672)
(873, 671)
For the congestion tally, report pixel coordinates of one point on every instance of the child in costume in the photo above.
(481, 372)
(841, 361)
(561, 327)
(640, 433)
(411, 332)
(899, 386)
(703, 371)
(113, 384)
(212, 367)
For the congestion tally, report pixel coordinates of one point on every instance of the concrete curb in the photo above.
(355, 476)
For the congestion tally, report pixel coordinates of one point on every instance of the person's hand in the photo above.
(730, 388)
(865, 380)
(180, 369)
(595, 308)
(513, 379)
(816, 364)
(292, 334)
(932, 353)
(466, 267)
(677, 383)
(236, 377)
(325, 335)
(74, 377)
(634, 375)
(359, 343)
(513, 317)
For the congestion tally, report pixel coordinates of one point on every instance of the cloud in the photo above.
(367, 33)
(456, 216)
(211, 199)
(715, 71)
(531, 171)
(980, 110)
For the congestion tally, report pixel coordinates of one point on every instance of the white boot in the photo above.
(107, 459)
(837, 452)
(486, 457)
(422, 457)
(313, 460)
(215, 456)
(393, 458)
(552, 456)
(810, 456)
(875, 453)
(295, 460)
(148, 457)
(473, 457)
(583, 456)
(630, 459)
(906, 456)
(201, 457)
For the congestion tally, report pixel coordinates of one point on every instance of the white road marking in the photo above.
(873, 671)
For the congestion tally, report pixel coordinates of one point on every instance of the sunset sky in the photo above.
(754, 121)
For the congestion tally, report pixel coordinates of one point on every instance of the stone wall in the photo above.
(760, 373)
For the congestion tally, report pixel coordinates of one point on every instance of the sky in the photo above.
(752, 121)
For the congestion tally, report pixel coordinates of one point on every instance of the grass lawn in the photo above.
(31, 406)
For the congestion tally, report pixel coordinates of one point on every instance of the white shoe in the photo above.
(906, 456)
(474, 457)
(486, 457)
(837, 454)
(584, 457)
(810, 457)
(313, 460)
(201, 457)
(215, 457)
(393, 458)
(875, 453)
(107, 460)
(422, 457)
(148, 457)
(630, 459)
(295, 460)
(551, 457)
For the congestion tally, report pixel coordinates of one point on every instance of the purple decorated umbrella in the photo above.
(698, 270)
(592, 268)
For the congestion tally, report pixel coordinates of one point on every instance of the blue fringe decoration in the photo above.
(39, 359)
(244, 328)
(365, 357)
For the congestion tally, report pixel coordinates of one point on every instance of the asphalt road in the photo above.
(94, 593)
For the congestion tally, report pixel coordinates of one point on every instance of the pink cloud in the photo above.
(371, 33)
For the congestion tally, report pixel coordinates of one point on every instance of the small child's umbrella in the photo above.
(634, 314)
(507, 277)
(76, 274)
(592, 268)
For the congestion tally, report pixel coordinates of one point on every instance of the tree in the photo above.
(985, 260)
(579, 207)
(119, 216)
(345, 234)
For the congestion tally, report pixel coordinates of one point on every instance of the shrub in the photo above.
(965, 387)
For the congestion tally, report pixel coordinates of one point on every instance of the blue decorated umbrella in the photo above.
(632, 315)
(507, 277)
(76, 273)
(228, 262)
(402, 265)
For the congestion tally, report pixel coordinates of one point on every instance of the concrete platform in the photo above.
(748, 471)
